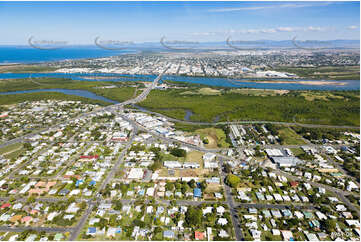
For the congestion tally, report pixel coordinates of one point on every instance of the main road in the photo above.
(231, 204)
(91, 204)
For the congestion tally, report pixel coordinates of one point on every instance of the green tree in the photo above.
(178, 152)
(155, 166)
(233, 180)
(227, 168)
(193, 217)
(192, 183)
(203, 185)
(330, 225)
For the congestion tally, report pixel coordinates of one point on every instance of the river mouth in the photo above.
(80, 93)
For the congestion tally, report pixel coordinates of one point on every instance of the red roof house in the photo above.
(199, 235)
(6, 205)
(294, 183)
(26, 219)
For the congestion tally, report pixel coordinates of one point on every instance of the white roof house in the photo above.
(273, 152)
(210, 165)
(209, 157)
(222, 221)
(223, 234)
(150, 191)
(207, 210)
(192, 165)
(172, 164)
(351, 186)
(286, 161)
(150, 209)
(73, 208)
(341, 207)
(52, 215)
(220, 210)
(136, 173)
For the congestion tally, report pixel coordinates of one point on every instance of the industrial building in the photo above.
(286, 161)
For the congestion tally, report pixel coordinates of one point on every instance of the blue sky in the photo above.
(81, 22)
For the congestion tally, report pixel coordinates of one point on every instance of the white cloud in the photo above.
(312, 28)
(286, 29)
(204, 33)
(263, 31)
(250, 31)
(353, 27)
(237, 9)
(253, 8)
(268, 31)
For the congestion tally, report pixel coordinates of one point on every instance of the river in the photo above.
(291, 84)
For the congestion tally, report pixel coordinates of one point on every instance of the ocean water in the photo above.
(21, 54)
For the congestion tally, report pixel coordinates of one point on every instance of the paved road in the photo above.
(231, 204)
(81, 223)
(115, 168)
(110, 175)
(348, 203)
(340, 168)
(146, 91)
(119, 162)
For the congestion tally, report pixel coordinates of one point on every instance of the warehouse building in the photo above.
(286, 161)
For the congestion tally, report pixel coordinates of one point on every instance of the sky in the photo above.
(82, 22)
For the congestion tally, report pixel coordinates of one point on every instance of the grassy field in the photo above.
(216, 137)
(297, 151)
(290, 137)
(199, 172)
(195, 156)
(203, 91)
(235, 106)
(11, 151)
(258, 92)
(10, 148)
(189, 127)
